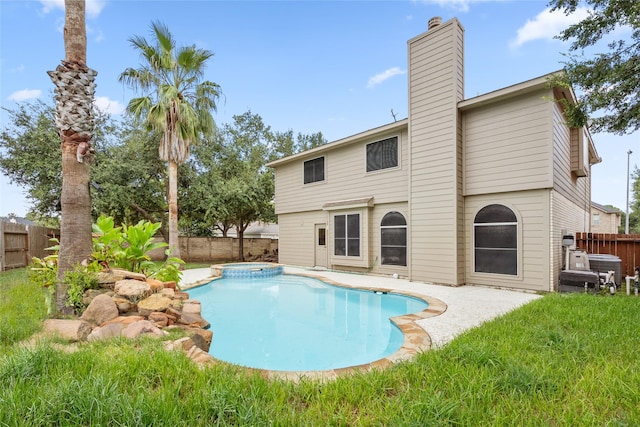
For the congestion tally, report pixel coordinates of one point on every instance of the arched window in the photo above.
(393, 239)
(495, 231)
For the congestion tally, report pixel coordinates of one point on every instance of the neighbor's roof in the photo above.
(605, 208)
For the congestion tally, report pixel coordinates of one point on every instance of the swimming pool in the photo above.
(297, 323)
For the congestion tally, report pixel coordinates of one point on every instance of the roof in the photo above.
(341, 142)
(17, 220)
(605, 209)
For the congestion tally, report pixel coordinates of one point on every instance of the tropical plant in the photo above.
(107, 241)
(44, 272)
(74, 94)
(137, 241)
(175, 102)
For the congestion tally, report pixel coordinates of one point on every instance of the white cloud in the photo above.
(25, 94)
(385, 75)
(109, 106)
(546, 25)
(93, 7)
(458, 5)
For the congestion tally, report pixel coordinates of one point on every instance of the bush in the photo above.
(80, 279)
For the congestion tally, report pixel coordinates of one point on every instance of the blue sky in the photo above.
(336, 67)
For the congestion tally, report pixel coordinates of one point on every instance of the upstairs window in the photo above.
(495, 231)
(346, 236)
(314, 170)
(382, 154)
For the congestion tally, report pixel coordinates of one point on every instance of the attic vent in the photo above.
(434, 22)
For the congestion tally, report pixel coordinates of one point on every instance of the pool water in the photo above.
(296, 323)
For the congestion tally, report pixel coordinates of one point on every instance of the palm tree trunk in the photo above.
(174, 243)
(74, 102)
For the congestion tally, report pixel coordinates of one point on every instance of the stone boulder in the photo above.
(160, 319)
(133, 290)
(155, 302)
(68, 329)
(156, 285)
(142, 327)
(90, 294)
(109, 330)
(193, 319)
(101, 309)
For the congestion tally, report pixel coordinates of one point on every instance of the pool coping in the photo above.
(416, 339)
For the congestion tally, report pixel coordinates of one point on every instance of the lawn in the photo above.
(564, 360)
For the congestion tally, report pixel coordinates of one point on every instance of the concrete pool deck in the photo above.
(464, 307)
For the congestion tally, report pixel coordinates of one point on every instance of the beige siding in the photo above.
(345, 178)
(435, 87)
(508, 145)
(577, 189)
(608, 222)
(297, 237)
(532, 210)
(568, 218)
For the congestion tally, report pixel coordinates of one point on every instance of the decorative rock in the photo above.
(69, 329)
(124, 320)
(159, 318)
(206, 334)
(168, 292)
(101, 309)
(170, 285)
(156, 285)
(107, 331)
(174, 311)
(109, 278)
(90, 294)
(129, 274)
(156, 302)
(193, 319)
(191, 306)
(124, 305)
(142, 327)
(181, 295)
(133, 290)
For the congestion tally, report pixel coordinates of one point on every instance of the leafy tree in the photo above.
(175, 102)
(129, 180)
(610, 80)
(30, 155)
(74, 91)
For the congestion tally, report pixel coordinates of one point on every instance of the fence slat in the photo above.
(624, 246)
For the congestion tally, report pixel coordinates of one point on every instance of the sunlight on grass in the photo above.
(560, 360)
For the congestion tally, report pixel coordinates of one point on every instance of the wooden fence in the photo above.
(624, 246)
(19, 243)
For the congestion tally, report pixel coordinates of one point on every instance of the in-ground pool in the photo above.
(295, 323)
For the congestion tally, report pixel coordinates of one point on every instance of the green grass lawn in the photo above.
(562, 360)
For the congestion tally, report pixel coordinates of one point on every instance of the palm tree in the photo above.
(175, 102)
(74, 93)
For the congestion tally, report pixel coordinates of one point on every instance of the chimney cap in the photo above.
(434, 22)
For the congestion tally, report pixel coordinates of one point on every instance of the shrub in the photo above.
(80, 279)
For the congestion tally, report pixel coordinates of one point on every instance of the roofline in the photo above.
(511, 91)
(605, 209)
(341, 142)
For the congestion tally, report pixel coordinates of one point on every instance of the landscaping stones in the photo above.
(155, 302)
(131, 305)
(103, 308)
(132, 289)
(69, 329)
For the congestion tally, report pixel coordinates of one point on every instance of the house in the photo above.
(463, 191)
(255, 230)
(604, 219)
